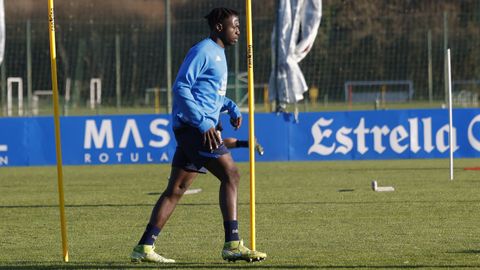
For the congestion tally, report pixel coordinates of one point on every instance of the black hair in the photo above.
(217, 15)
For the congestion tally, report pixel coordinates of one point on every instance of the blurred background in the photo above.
(368, 54)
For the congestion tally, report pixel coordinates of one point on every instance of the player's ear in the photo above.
(219, 27)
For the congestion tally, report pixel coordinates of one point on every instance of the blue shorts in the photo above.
(191, 154)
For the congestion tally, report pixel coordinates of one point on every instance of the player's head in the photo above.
(224, 24)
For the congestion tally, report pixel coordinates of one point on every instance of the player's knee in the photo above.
(233, 175)
(176, 191)
(179, 191)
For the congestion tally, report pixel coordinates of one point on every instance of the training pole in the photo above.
(251, 121)
(450, 113)
(56, 117)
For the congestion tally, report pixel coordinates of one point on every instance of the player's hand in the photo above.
(236, 122)
(211, 139)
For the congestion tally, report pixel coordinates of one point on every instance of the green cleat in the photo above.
(146, 253)
(235, 250)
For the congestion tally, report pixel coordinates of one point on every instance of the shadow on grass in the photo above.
(224, 266)
(467, 251)
(374, 169)
(246, 203)
(346, 190)
(155, 266)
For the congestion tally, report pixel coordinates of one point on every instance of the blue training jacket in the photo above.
(200, 87)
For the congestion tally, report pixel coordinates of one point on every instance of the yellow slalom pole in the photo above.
(251, 121)
(53, 60)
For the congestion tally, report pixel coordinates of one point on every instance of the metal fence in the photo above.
(120, 48)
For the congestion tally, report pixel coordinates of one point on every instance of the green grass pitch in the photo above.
(310, 215)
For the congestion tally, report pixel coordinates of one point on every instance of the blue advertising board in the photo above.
(143, 139)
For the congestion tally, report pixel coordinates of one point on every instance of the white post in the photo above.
(68, 86)
(450, 129)
(95, 92)
(35, 105)
(10, 82)
(66, 103)
(36, 99)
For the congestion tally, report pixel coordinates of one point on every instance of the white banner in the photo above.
(299, 21)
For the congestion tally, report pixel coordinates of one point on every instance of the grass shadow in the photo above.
(247, 203)
(219, 265)
(346, 190)
(467, 251)
(263, 265)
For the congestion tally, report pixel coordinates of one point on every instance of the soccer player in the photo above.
(232, 142)
(198, 98)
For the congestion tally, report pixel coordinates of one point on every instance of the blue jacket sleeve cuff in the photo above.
(235, 113)
(205, 125)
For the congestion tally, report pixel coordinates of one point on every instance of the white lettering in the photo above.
(131, 128)
(361, 131)
(414, 147)
(164, 157)
(103, 157)
(471, 137)
(442, 139)
(162, 133)
(427, 135)
(3, 160)
(126, 157)
(318, 136)
(377, 138)
(98, 137)
(134, 157)
(346, 143)
(397, 135)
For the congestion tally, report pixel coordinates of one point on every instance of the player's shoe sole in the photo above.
(235, 251)
(245, 259)
(146, 253)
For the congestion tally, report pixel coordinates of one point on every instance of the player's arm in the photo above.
(233, 111)
(190, 113)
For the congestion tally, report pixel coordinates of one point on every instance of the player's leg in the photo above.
(226, 171)
(230, 142)
(182, 174)
(236, 143)
(179, 181)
